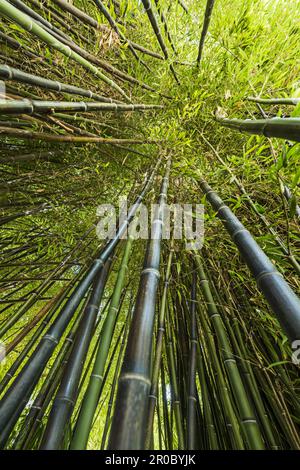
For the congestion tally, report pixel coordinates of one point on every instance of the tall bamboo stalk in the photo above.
(159, 347)
(283, 301)
(26, 106)
(192, 393)
(129, 422)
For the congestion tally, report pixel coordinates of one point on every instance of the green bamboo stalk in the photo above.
(26, 106)
(115, 380)
(244, 365)
(207, 410)
(285, 250)
(28, 24)
(248, 420)
(94, 388)
(41, 6)
(192, 393)
(174, 384)
(47, 389)
(156, 29)
(158, 351)
(282, 128)
(86, 19)
(164, 22)
(44, 286)
(33, 14)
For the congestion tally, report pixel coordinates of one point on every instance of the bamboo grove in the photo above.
(149, 342)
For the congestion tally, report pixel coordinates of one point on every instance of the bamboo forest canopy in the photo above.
(128, 343)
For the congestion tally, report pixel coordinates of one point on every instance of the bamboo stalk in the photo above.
(86, 19)
(156, 29)
(192, 392)
(282, 128)
(56, 17)
(285, 250)
(10, 73)
(66, 395)
(43, 136)
(158, 351)
(115, 381)
(282, 300)
(275, 101)
(26, 106)
(33, 14)
(207, 17)
(114, 26)
(94, 388)
(164, 22)
(128, 427)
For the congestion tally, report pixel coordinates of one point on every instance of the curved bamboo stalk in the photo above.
(282, 128)
(29, 25)
(291, 101)
(282, 300)
(207, 17)
(18, 394)
(10, 73)
(128, 427)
